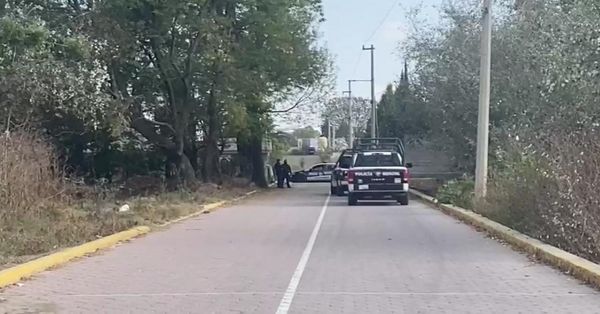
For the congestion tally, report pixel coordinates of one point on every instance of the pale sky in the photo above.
(350, 24)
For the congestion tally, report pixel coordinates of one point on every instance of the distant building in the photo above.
(230, 146)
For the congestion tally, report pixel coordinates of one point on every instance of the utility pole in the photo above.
(333, 137)
(350, 124)
(373, 104)
(481, 168)
(329, 132)
(349, 115)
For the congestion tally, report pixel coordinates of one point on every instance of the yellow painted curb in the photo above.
(15, 274)
(212, 206)
(576, 266)
(246, 195)
(208, 208)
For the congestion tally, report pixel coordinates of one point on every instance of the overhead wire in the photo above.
(357, 62)
(373, 34)
(375, 31)
(387, 15)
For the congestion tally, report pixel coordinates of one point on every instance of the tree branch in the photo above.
(156, 60)
(191, 52)
(296, 104)
(163, 124)
(147, 129)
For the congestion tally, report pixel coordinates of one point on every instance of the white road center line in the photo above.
(288, 297)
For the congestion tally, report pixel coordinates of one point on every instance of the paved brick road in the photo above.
(367, 259)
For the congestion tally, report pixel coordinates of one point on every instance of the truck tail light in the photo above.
(405, 176)
(350, 177)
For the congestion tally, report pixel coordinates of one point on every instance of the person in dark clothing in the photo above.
(278, 169)
(287, 173)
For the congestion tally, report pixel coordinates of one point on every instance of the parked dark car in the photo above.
(317, 173)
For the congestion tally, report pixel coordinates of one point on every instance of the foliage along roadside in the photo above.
(164, 81)
(544, 118)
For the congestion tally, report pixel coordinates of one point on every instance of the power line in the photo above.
(375, 31)
(383, 20)
(387, 15)
(357, 63)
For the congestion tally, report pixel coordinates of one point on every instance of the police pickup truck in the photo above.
(378, 171)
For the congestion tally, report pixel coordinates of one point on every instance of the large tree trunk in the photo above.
(179, 170)
(178, 163)
(185, 169)
(243, 159)
(258, 164)
(212, 169)
(191, 147)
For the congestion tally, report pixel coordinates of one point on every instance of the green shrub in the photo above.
(521, 195)
(457, 192)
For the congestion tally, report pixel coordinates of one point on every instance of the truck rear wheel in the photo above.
(352, 200)
(403, 200)
(340, 191)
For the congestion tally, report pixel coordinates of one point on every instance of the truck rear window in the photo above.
(346, 162)
(378, 160)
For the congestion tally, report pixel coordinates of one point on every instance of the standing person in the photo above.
(278, 169)
(287, 172)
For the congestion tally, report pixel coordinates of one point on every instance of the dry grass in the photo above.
(40, 212)
(30, 177)
(169, 206)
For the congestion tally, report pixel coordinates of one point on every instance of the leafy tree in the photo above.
(49, 83)
(306, 132)
(190, 71)
(338, 112)
(543, 72)
(400, 114)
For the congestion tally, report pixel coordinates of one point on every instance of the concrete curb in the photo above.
(209, 208)
(576, 266)
(206, 209)
(20, 272)
(15, 274)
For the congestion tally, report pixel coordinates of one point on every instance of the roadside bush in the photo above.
(575, 158)
(552, 193)
(520, 195)
(32, 192)
(457, 192)
(30, 176)
(41, 211)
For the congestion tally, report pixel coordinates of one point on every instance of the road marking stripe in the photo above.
(288, 297)
(482, 294)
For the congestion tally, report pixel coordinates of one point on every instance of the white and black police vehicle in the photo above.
(378, 171)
